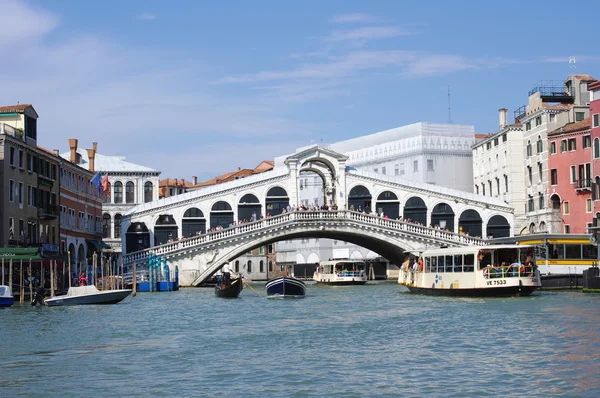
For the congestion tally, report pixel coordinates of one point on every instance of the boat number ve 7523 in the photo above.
(496, 282)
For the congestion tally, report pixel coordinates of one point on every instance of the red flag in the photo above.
(105, 185)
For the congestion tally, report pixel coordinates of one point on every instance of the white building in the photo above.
(498, 163)
(129, 185)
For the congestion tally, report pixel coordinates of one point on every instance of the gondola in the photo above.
(232, 290)
(285, 286)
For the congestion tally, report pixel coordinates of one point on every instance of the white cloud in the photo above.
(146, 16)
(352, 18)
(369, 33)
(22, 22)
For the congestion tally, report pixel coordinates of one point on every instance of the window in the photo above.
(539, 145)
(270, 266)
(483, 189)
(477, 189)
(270, 249)
(401, 169)
(529, 151)
(376, 170)
(249, 266)
(429, 164)
(586, 141)
(118, 187)
(530, 175)
(261, 266)
(528, 126)
(21, 192)
(106, 225)
(566, 208)
(117, 227)
(552, 148)
(563, 145)
(11, 191)
(588, 205)
(596, 148)
(488, 145)
(554, 177)
(567, 229)
(572, 144)
(541, 200)
(30, 159)
(552, 117)
(129, 192)
(21, 159)
(506, 183)
(496, 141)
(538, 120)
(396, 169)
(497, 186)
(11, 156)
(596, 120)
(490, 185)
(415, 166)
(530, 206)
(579, 116)
(540, 173)
(573, 174)
(383, 171)
(504, 137)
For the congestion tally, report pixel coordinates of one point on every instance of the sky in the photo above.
(198, 88)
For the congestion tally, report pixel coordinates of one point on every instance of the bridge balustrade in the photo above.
(301, 215)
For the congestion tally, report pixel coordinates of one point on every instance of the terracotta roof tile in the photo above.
(557, 106)
(585, 78)
(14, 108)
(573, 127)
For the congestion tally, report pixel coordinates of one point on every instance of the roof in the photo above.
(18, 108)
(170, 182)
(108, 163)
(573, 127)
(557, 106)
(585, 78)
(594, 85)
(265, 165)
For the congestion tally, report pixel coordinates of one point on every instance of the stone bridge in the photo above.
(463, 218)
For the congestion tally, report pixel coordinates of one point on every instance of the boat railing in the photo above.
(507, 271)
(348, 274)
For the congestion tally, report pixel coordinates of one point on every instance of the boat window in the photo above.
(427, 264)
(469, 263)
(449, 266)
(458, 262)
(434, 264)
(2, 290)
(573, 251)
(441, 264)
(484, 258)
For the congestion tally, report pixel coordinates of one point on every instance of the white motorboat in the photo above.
(6, 297)
(85, 295)
(341, 272)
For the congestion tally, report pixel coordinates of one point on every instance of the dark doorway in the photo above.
(415, 210)
(193, 222)
(221, 214)
(137, 237)
(498, 227)
(388, 203)
(470, 223)
(359, 199)
(165, 229)
(443, 216)
(249, 208)
(276, 200)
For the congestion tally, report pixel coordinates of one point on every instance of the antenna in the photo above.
(449, 108)
(572, 62)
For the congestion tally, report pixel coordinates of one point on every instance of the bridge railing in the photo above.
(302, 215)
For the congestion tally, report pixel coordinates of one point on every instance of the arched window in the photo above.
(118, 187)
(249, 266)
(106, 225)
(106, 196)
(540, 144)
(261, 266)
(148, 192)
(270, 266)
(596, 148)
(529, 151)
(117, 233)
(129, 192)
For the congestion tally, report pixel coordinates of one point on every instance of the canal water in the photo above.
(373, 340)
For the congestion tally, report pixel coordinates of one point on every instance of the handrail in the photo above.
(235, 231)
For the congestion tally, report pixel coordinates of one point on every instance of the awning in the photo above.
(97, 245)
(55, 257)
(19, 253)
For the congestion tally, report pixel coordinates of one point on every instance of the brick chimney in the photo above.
(194, 180)
(92, 159)
(73, 148)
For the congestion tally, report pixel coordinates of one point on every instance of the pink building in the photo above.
(595, 125)
(570, 176)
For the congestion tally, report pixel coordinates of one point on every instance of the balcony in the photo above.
(10, 130)
(553, 91)
(48, 212)
(520, 113)
(583, 185)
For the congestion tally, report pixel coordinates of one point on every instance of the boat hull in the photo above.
(342, 283)
(503, 291)
(102, 297)
(231, 291)
(285, 287)
(6, 301)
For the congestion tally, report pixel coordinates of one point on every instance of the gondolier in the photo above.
(226, 273)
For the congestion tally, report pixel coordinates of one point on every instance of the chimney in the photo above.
(91, 159)
(194, 180)
(73, 148)
(95, 147)
(239, 168)
(503, 116)
(56, 152)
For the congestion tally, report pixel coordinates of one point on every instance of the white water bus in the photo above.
(501, 270)
(341, 272)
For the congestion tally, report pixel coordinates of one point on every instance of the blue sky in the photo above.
(201, 88)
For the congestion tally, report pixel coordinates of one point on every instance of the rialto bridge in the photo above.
(416, 216)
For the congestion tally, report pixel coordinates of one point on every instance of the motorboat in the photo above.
(6, 297)
(86, 295)
(285, 286)
(477, 271)
(341, 272)
(232, 290)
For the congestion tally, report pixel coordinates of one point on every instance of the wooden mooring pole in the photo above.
(134, 281)
(30, 281)
(51, 278)
(69, 260)
(21, 286)
(10, 273)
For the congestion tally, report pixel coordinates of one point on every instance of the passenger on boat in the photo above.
(82, 279)
(226, 274)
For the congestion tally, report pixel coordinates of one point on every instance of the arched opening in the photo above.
(237, 266)
(498, 227)
(359, 199)
(555, 200)
(129, 192)
(148, 192)
(388, 203)
(118, 192)
(442, 215)
(249, 266)
(415, 210)
(193, 222)
(543, 227)
(106, 225)
(531, 228)
(72, 256)
(470, 223)
(221, 215)
(597, 189)
(81, 261)
(276, 200)
(137, 237)
(117, 228)
(249, 208)
(165, 229)
(261, 266)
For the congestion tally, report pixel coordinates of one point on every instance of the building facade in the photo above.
(498, 162)
(570, 177)
(595, 129)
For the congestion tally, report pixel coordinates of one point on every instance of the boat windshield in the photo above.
(506, 262)
(4, 291)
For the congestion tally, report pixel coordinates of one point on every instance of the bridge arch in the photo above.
(497, 227)
(299, 258)
(321, 160)
(443, 216)
(165, 229)
(137, 237)
(276, 200)
(221, 214)
(470, 222)
(249, 208)
(415, 209)
(193, 222)
(312, 258)
(359, 196)
(356, 255)
(388, 202)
